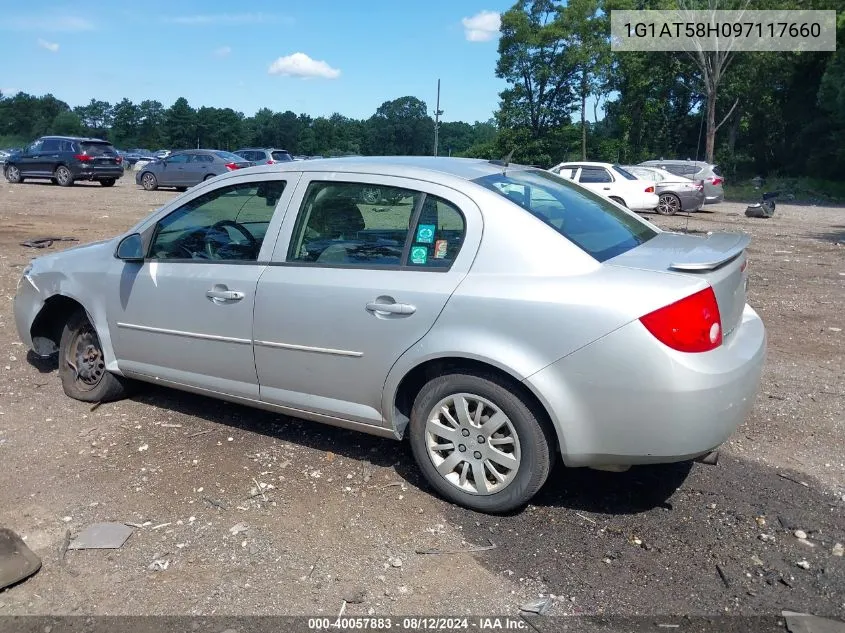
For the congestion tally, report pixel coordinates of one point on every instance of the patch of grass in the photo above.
(800, 190)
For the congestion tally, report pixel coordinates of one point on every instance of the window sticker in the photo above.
(419, 254)
(440, 249)
(425, 233)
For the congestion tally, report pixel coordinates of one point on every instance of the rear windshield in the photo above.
(97, 149)
(281, 156)
(586, 219)
(229, 156)
(625, 174)
(717, 170)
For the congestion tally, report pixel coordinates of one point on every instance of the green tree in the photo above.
(66, 122)
(401, 127)
(126, 122)
(151, 125)
(180, 125)
(96, 117)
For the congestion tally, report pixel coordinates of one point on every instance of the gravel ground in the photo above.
(246, 512)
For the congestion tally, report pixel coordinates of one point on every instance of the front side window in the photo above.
(356, 224)
(594, 174)
(178, 159)
(226, 224)
(35, 147)
(50, 145)
(586, 219)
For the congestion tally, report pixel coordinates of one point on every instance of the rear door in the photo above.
(199, 167)
(353, 285)
(596, 179)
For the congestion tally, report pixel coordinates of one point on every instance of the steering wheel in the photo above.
(219, 226)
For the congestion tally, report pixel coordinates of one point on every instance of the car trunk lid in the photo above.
(718, 259)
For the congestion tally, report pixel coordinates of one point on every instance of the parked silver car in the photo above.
(496, 334)
(188, 168)
(711, 175)
(675, 193)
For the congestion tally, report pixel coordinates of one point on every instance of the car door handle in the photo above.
(391, 308)
(606, 188)
(224, 295)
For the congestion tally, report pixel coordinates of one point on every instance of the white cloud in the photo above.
(483, 26)
(223, 51)
(226, 19)
(53, 47)
(51, 24)
(300, 65)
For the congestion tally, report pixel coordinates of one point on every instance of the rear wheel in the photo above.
(209, 177)
(63, 176)
(181, 189)
(478, 443)
(669, 204)
(107, 182)
(619, 200)
(82, 366)
(13, 174)
(149, 182)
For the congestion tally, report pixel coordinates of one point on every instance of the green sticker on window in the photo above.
(419, 255)
(425, 233)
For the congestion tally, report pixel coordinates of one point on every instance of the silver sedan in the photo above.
(497, 332)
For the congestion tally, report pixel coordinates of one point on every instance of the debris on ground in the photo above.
(395, 562)
(102, 536)
(238, 528)
(540, 607)
(469, 550)
(17, 561)
(803, 564)
(838, 549)
(800, 534)
(159, 564)
(356, 596)
(46, 242)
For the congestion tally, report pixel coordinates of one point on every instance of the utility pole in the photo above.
(437, 114)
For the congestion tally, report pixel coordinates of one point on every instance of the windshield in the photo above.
(586, 219)
(281, 156)
(229, 156)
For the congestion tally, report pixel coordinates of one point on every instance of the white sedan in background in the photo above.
(611, 181)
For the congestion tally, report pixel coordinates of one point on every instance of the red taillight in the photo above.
(649, 189)
(83, 158)
(692, 324)
(232, 166)
(118, 159)
(716, 181)
(271, 162)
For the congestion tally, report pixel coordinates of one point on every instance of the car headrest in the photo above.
(337, 218)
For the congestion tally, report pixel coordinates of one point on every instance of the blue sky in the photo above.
(249, 55)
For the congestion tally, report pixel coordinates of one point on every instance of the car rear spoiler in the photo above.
(716, 250)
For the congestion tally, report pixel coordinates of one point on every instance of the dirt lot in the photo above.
(331, 515)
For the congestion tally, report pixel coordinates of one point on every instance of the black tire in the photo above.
(619, 200)
(87, 381)
(669, 204)
(63, 176)
(149, 181)
(181, 189)
(108, 182)
(535, 441)
(209, 177)
(13, 174)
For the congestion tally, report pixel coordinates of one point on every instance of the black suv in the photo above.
(262, 156)
(64, 159)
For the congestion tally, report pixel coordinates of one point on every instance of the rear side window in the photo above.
(622, 172)
(281, 156)
(584, 218)
(229, 156)
(50, 145)
(97, 149)
(717, 170)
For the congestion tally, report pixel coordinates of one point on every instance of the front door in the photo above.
(353, 284)
(28, 164)
(185, 314)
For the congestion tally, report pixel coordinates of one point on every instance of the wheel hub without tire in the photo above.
(472, 444)
(88, 359)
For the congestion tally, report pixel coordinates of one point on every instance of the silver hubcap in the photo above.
(472, 444)
(13, 173)
(668, 205)
(62, 175)
(148, 181)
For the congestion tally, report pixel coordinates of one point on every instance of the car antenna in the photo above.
(504, 162)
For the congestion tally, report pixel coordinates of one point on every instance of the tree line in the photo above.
(398, 127)
(778, 113)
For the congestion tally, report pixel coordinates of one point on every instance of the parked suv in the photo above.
(66, 159)
(695, 170)
(262, 156)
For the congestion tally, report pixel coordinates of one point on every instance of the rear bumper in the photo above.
(98, 174)
(644, 202)
(714, 197)
(627, 399)
(691, 200)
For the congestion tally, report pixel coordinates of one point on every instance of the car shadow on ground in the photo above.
(836, 234)
(44, 365)
(638, 490)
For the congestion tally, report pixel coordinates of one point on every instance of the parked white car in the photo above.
(611, 181)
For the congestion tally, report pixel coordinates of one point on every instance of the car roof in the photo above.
(584, 163)
(675, 161)
(422, 167)
(81, 139)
